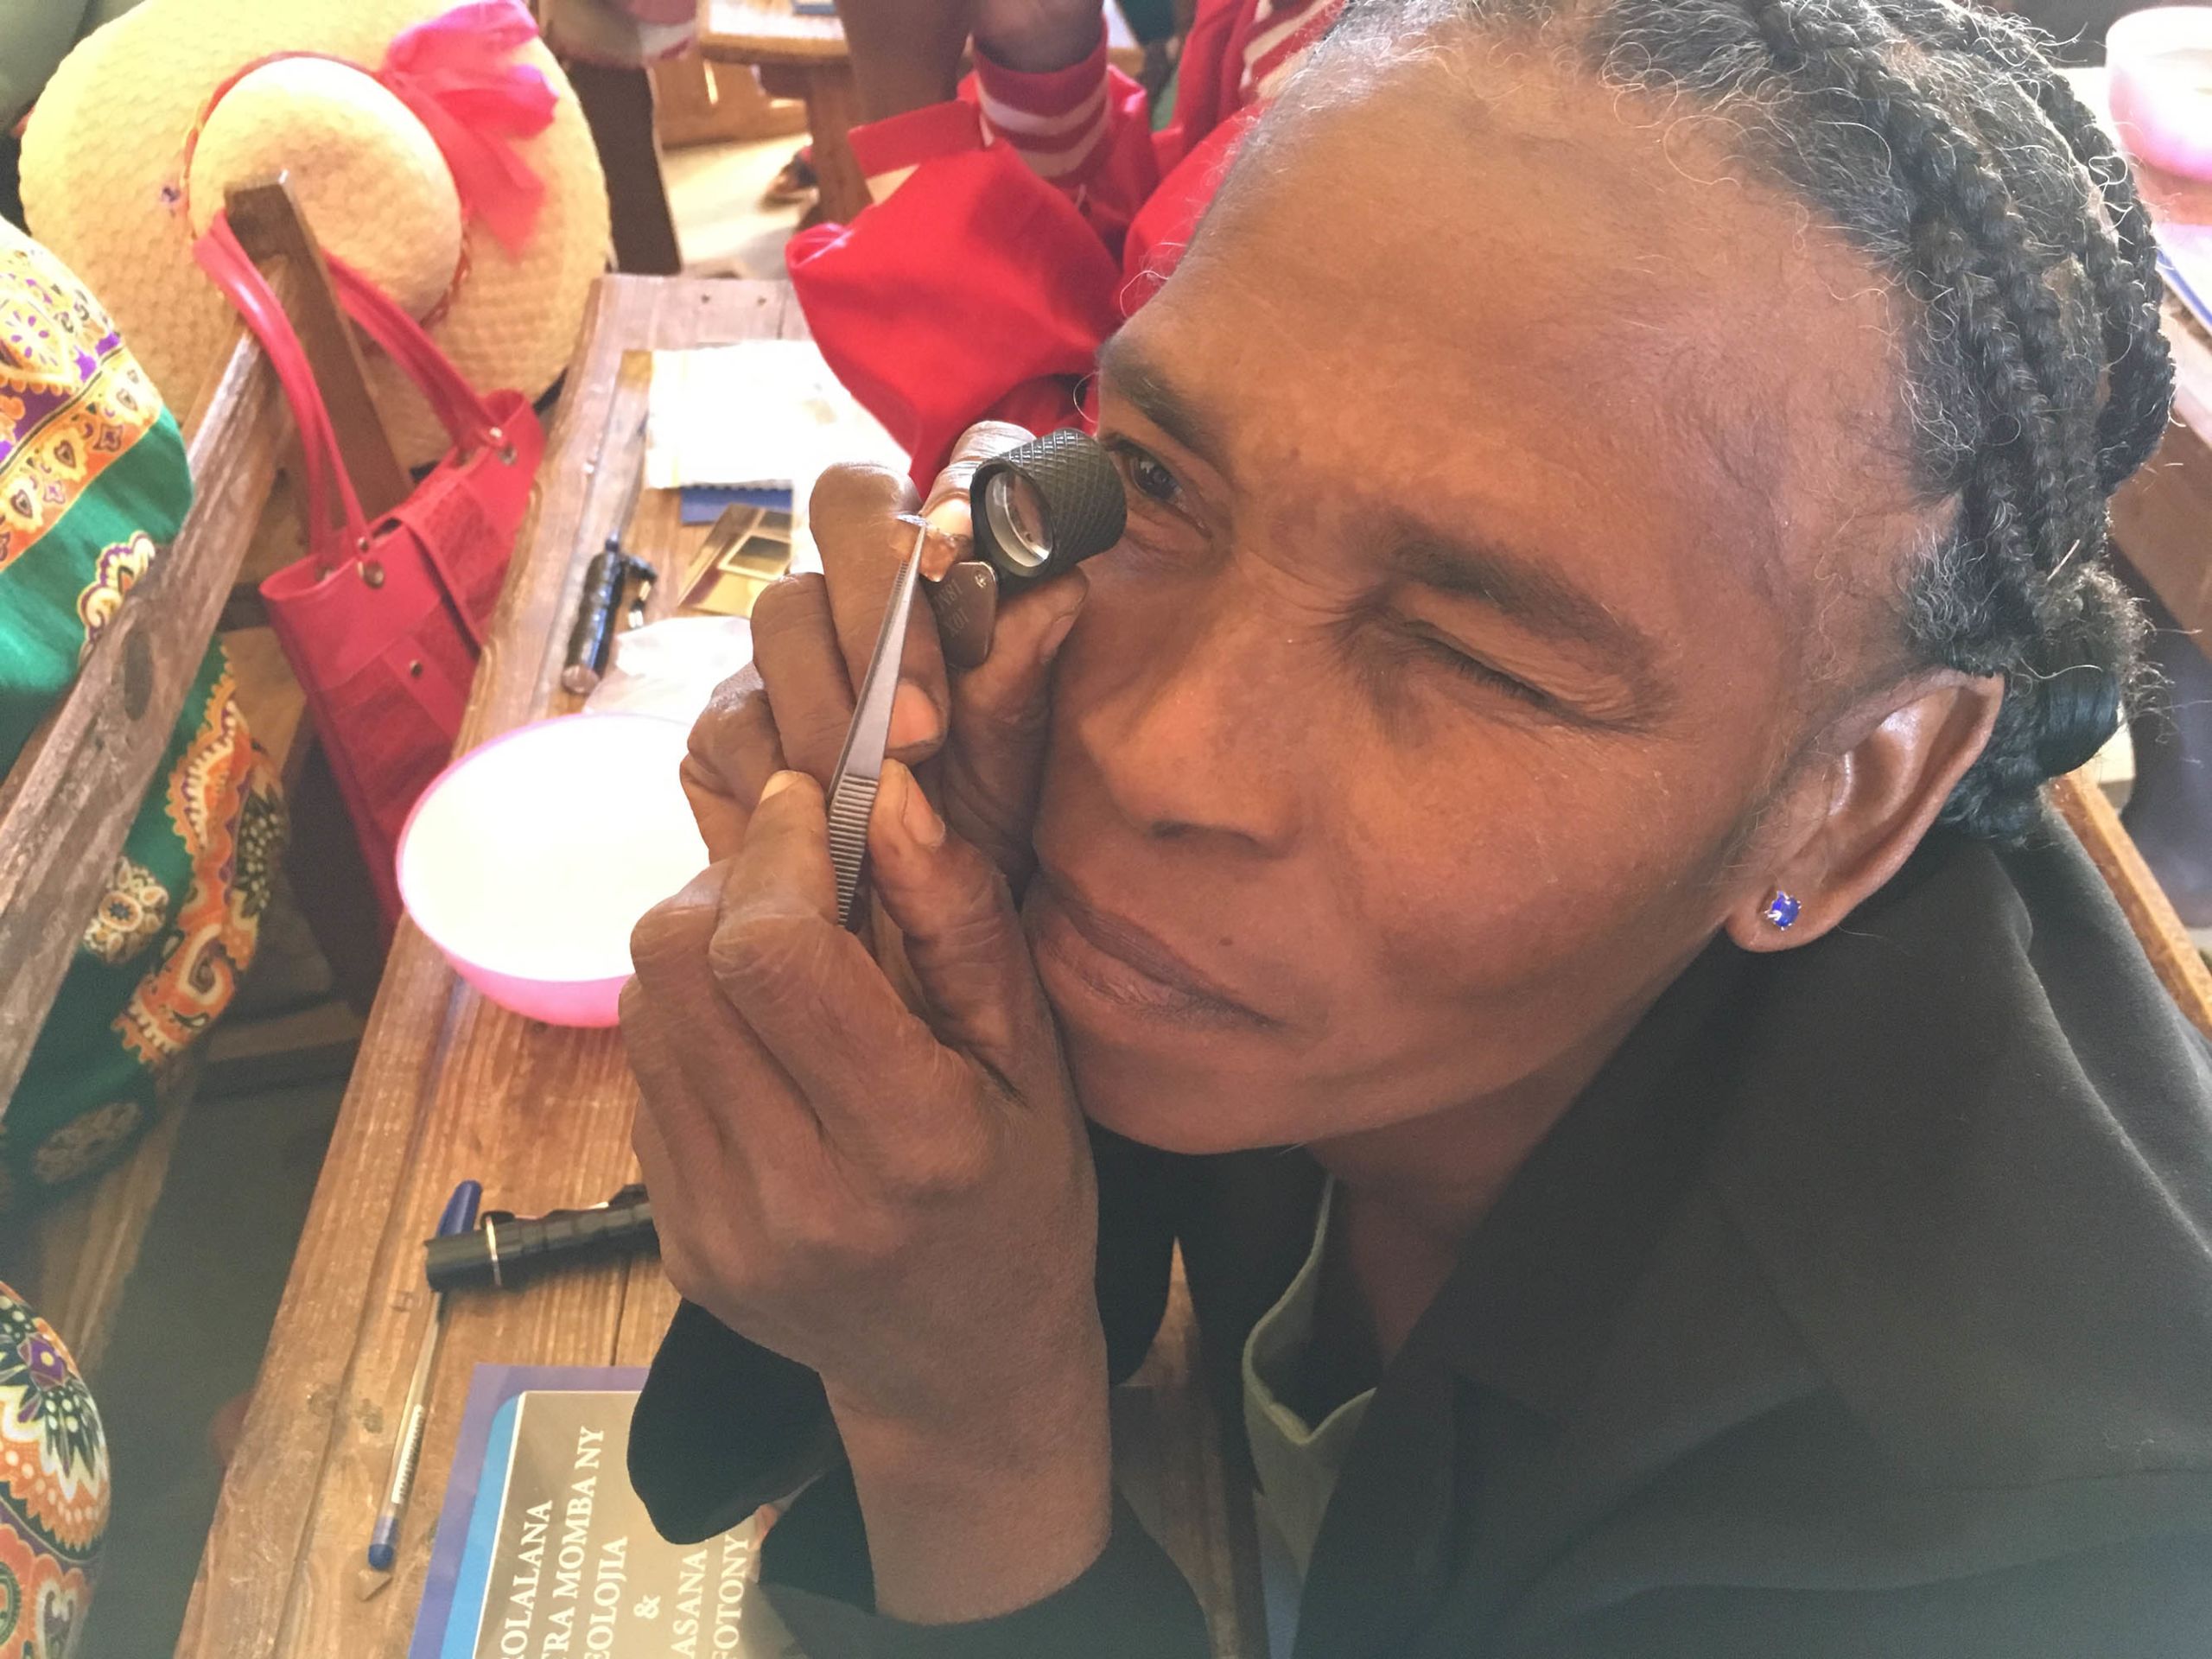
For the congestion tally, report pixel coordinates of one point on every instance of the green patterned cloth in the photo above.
(93, 479)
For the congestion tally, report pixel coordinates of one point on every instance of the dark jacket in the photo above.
(1862, 1307)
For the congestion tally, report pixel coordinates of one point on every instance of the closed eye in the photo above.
(1435, 646)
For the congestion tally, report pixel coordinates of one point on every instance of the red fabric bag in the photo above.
(383, 622)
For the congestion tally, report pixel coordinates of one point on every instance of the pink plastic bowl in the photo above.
(529, 860)
(2159, 64)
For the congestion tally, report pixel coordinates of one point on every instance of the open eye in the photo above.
(1146, 473)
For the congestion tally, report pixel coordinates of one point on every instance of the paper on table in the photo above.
(671, 667)
(759, 412)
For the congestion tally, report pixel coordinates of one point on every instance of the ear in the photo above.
(1855, 818)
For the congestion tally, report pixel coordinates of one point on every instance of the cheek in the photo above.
(1478, 870)
(1503, 910)
(1120, 621)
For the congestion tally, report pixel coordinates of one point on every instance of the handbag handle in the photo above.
(465, 415)
(221, 255)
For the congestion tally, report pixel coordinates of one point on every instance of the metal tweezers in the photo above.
(859, 762)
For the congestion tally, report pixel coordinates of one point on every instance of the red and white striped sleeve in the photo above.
(1281, 32)
(1061, 123)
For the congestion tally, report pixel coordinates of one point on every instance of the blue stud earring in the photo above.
(1781, 910)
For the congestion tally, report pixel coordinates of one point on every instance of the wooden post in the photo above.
(270, 226)
(330, 874)
(619, 106)
(833, 109)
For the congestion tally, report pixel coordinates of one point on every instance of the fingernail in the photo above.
(952, 517)
(913, 717)
(776, 784)
(917, 817)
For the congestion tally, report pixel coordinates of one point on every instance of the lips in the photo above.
(1124, 963)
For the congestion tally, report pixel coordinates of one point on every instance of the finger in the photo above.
(733, 751)
(1001, 715)
(716, 1095)
(954, 517)
(854, 516)
(785, 861)
(794, 649)
(946, 507)
(963, 937)
(666, 941)
(705, 1206)
(679, 1205)
(662, 1173)
(878, 1082)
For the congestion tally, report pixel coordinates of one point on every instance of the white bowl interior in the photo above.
(536, 855)
(2158, 30)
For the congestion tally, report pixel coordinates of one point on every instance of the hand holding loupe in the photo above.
(1035, 507)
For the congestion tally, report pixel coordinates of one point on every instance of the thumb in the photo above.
(1002, 714)
(963, 939)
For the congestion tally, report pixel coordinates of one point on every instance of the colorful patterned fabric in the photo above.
(54, 1489)
(93, 479)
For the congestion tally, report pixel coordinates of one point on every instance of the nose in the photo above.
(1199, 727)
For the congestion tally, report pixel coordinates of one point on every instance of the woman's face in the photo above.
(1510, 483)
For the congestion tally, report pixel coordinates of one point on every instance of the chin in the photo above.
(1178, 1109)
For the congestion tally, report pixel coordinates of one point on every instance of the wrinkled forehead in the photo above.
(1474, 274)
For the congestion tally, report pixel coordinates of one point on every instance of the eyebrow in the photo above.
(1536, 598)
(1133, 376)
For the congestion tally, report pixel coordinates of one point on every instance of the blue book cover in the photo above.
(544, 1547)
(701, 504)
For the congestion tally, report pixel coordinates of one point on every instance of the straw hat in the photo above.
(441, 152)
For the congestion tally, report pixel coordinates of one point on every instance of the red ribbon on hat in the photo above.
(455, 72)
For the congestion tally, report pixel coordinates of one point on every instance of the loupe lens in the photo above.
(1016, 520)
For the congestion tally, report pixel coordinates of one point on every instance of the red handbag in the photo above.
(383, 622)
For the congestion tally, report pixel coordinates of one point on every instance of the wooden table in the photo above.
(449, 1087)
(805, 57)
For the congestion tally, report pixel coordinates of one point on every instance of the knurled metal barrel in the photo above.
(1046, 505)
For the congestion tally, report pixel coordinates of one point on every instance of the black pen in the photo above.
(592, 635)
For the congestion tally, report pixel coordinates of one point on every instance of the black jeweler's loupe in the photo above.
(1046, 506)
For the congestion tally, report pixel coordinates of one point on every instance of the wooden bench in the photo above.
(69, 800)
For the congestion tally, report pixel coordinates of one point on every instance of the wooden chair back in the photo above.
(2173, 954)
